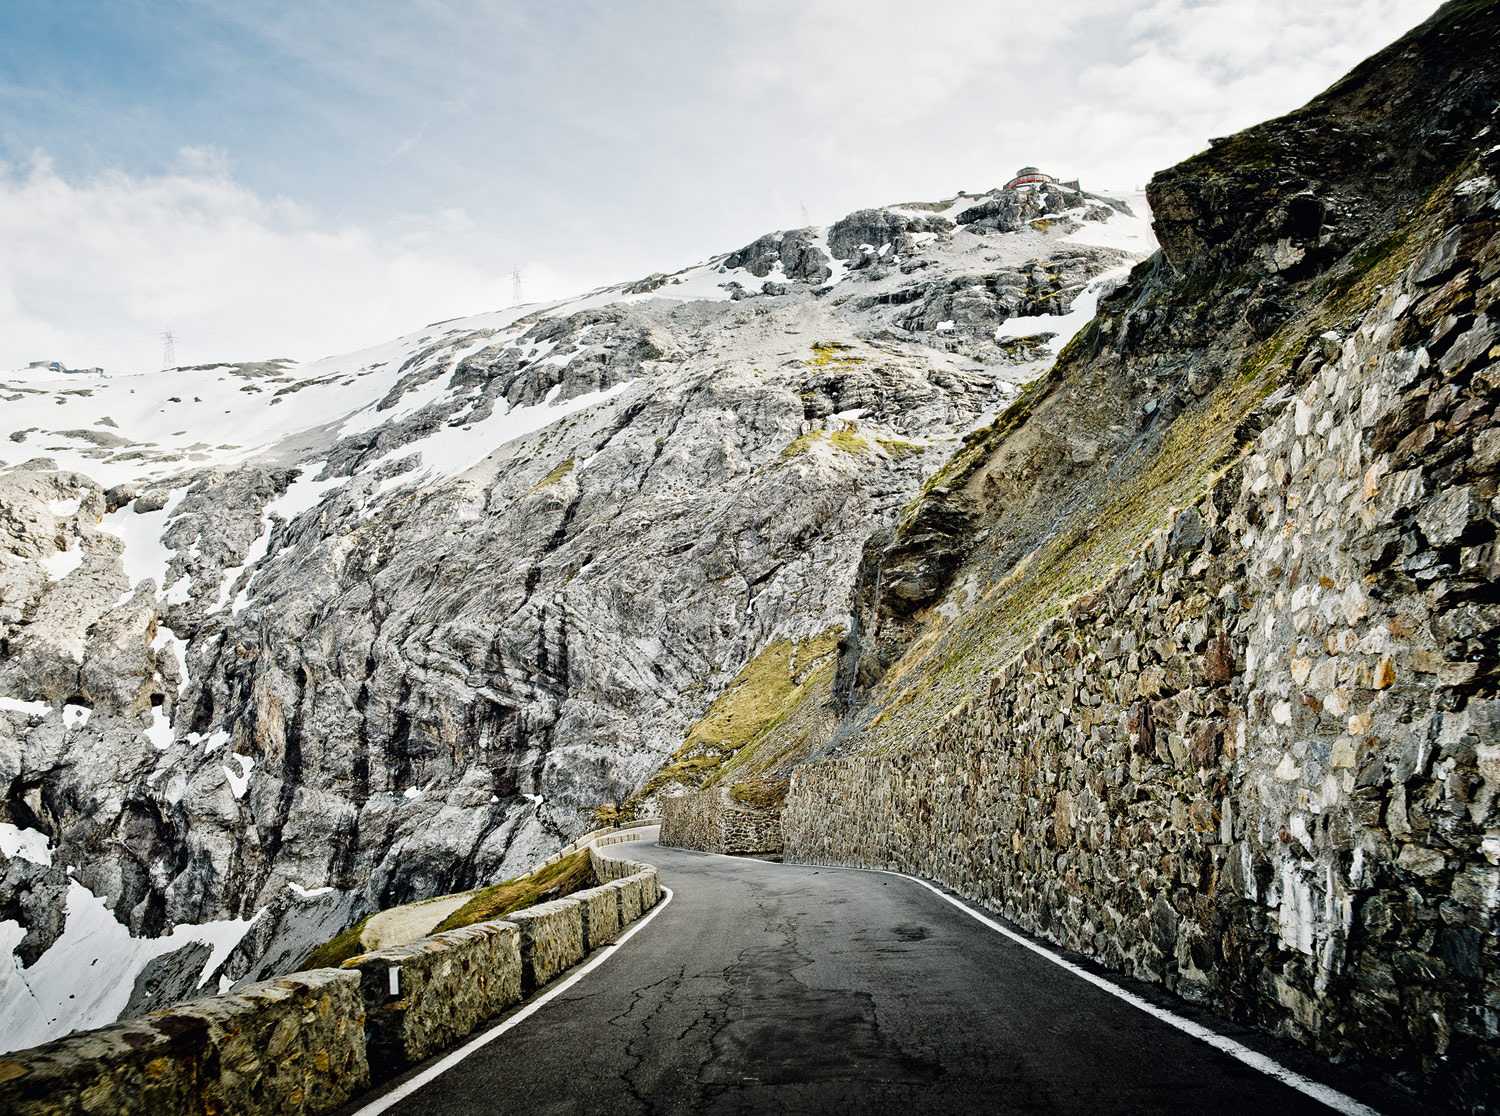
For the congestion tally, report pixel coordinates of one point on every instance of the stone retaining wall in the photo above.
(599, 908)
(308, 1042)
(426, 995)
(705, 821)
(1261, 764)
(551, 940)
(293, 1045)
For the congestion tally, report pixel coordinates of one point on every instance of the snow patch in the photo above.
(62, 509)
(308, 892)
(1064, 326)
(238, 784)
(85, 979)
(63, 562)
(28, 844)
(30, 708)
(160, 732)
(451, 450)
(211, 741)
(76, 716)
(146, 556)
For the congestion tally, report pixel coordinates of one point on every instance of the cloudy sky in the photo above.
(303, 177)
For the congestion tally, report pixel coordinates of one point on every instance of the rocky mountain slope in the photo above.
(284, 643)
(1189, 660)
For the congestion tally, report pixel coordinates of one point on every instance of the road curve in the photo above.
(770, 988)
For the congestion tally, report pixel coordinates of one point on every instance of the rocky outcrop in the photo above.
(796, 253)
(1244, 748)
(1268, 239)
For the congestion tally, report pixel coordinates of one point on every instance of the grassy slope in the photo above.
(952, 660)
(572, 873)
(729, 738)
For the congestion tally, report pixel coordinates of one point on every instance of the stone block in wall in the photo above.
(650, 889)
(629, 891)
(428, 994)
(608, 868)
(600, 910)
(291, 1045)
(551, 940)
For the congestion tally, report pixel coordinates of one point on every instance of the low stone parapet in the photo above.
(291, 1045)
(308, 1042)
(424, 996)
(551, 940)
(600, 910)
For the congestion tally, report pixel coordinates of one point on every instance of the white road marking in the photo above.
(1324, 1094)
(406, 1089)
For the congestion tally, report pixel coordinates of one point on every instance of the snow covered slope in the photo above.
(284, 642)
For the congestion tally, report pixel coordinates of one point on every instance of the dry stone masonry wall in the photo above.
(309, 1042)
(427, 995)
(704, 821)
(282, 1046)
(1261, 764)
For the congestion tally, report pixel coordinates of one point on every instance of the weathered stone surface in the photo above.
(444, 986)
(599, 907)
(294, 1045)
(551, 940)
(629, 892)
(708, 821)
(1289, 831)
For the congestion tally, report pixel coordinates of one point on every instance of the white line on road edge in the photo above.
(1326, 1094)
(406, 1089)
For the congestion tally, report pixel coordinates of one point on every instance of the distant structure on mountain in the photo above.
(1031, 176)
(57, 366)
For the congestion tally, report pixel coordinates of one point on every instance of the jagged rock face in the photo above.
(1208, 617)
(1263, 236)
(395, 624)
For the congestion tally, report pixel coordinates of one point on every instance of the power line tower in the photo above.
(517, 295)
(168, 350)
(806, 220)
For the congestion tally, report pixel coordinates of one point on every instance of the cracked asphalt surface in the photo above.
(770, 988)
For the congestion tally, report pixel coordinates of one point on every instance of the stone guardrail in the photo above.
(310, 1041)
(606, 835)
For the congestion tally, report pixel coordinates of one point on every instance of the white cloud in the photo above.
(93, 271)
(454, 139)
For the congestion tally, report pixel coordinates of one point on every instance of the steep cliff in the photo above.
(1189, 659)
(281, 644)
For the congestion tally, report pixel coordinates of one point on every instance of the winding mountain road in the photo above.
(765, 988)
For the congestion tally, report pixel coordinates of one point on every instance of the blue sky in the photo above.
(301, 178)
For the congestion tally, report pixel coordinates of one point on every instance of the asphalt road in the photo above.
(769, 988)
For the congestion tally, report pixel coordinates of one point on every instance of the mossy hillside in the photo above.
(951, 662)
(572, 873)
(759, 698)
(553, 477)
(852, 443)
(833, 355)
(554, 881)
(338, 949)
